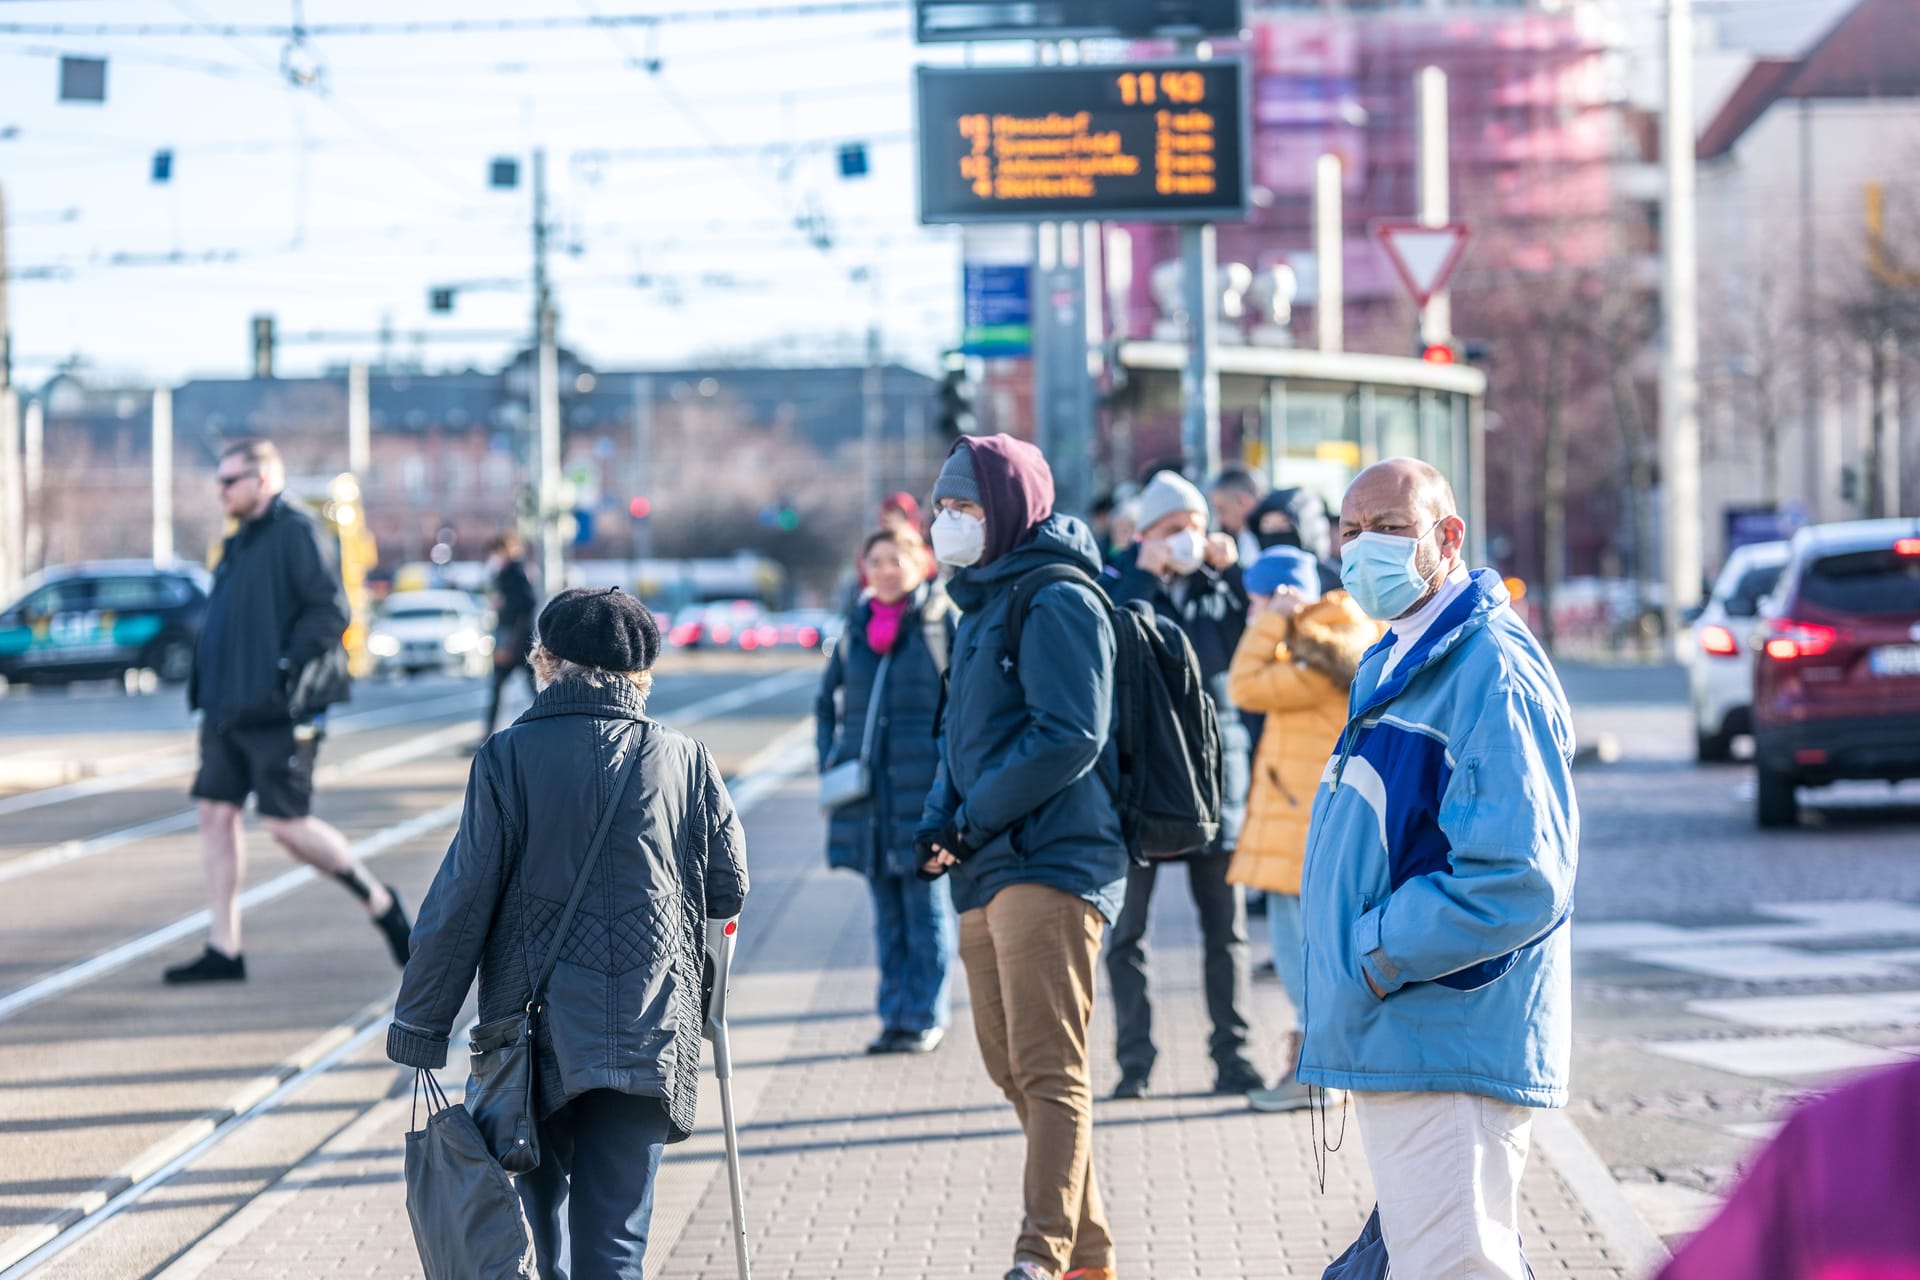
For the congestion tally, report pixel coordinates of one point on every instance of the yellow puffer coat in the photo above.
(1296, 671)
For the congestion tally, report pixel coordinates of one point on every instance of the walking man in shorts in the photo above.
(269, 664)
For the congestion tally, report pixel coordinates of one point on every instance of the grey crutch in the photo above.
(721, 936)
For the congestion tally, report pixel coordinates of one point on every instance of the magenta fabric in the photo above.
(883, 623)
(1835, 1196)
(1016, 489)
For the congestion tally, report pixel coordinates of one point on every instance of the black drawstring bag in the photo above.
(1366, 1258)
(505, 1051)
(467, 1220)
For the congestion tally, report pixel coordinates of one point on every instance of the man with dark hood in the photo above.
(1023, 816)
(1298, 518)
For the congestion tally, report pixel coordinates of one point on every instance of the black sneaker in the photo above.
(212, 966)
(1133, 1084)
(399, 932)
(887, 1041)
(1238, 1077)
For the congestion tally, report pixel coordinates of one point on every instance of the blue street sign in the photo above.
(997, 310)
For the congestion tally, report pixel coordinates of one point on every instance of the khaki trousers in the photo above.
(1030, 955)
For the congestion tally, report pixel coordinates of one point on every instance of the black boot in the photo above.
(394, 924)
(212, 966)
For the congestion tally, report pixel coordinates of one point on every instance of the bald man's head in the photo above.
(1407, 498)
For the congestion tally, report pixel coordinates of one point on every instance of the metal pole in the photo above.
(162, 475)
(873, 422)
(33, 495)
(1680, 389)
(6, 325)
(1329, 249)
(643, 462)
(1436, 318)
(1200, 379)
(359, 422)
(552, 554)
(1887, 446)
(11, 568)
(546, 394)
(1822, 478)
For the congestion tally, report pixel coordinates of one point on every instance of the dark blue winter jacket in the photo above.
(1028, 767)
(875, 836)
(1210, 606)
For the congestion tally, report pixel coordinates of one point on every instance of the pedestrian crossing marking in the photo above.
(1799, 1013)
(1789, 1055)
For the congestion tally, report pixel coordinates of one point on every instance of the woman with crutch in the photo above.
(594, 847)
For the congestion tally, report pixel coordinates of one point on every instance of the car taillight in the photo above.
(748, 640)
(722, 634)
(1799, 639)
(1907, 547)
(1718, 640)
(768, 636)
(809, 637)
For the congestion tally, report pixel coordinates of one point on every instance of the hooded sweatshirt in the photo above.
(1028, 769)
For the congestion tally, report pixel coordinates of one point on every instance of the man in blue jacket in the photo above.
(1022, 815)
(1438, 886)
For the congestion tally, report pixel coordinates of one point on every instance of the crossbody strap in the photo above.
(874, 700)
(635, 740)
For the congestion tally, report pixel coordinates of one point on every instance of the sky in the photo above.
(336, 207)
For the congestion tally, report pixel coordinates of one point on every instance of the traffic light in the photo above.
(955, 416)
(640, 508)
(1440, 353)
(1850, 484)
(263, 346)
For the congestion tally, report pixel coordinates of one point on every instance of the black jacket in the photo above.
(875, 836)
(1211, 607)
(513, 604)
(279, 647)
(624, 1009)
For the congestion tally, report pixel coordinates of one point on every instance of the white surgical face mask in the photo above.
(959, 539)
(1186, 550)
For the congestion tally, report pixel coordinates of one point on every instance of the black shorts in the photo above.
(274, 763)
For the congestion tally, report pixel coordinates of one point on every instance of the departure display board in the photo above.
(940, 20)
(1162, 141)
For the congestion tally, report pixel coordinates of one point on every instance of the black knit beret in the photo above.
(600, 627)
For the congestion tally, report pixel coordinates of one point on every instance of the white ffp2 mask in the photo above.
(959, 539)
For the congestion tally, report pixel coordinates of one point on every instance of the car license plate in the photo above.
(1895, 660)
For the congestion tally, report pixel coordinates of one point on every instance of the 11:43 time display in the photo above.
(1144, 88)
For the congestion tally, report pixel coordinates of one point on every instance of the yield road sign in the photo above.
(1423, 257)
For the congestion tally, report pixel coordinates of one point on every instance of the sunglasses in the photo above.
(227, 482)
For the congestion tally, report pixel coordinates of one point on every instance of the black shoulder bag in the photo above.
(501, 1087)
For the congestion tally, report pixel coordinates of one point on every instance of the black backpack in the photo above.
(1167, 729)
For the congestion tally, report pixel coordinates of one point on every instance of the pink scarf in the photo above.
(883, 623)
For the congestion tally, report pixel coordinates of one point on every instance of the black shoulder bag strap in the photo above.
(635, 741)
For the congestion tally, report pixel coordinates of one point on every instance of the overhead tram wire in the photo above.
(458, 26)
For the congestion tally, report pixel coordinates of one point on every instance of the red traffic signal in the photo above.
(640, 508)
(1439, 353)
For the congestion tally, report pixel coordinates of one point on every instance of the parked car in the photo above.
(415, 632)
(716, 626)
(1721, 670)
(812, 628)
(1836, 690)
(105, 619)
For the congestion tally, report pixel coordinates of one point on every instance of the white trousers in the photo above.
(1446, 1171)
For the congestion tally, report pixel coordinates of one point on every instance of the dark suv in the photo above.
(1836, 682)
(103, 619)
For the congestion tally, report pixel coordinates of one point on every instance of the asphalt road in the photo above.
(1724, 971)
(106, 1076)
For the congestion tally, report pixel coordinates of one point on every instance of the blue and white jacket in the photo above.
(1440, 861)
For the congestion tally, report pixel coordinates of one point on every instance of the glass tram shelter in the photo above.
(1315, 418)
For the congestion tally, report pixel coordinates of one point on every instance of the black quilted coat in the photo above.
(624, 1006)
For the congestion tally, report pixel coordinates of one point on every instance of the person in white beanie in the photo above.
(1192, 579)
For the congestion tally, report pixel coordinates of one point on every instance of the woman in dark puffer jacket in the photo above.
(907, 622)
(619, 1042)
